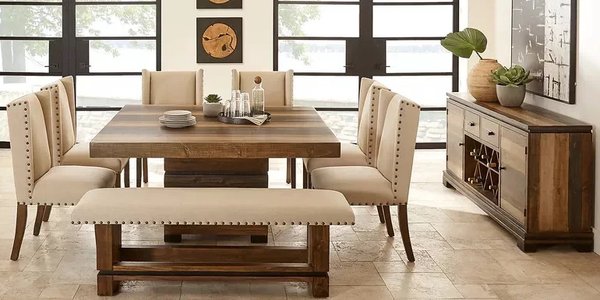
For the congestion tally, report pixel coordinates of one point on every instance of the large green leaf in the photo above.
(463, 43)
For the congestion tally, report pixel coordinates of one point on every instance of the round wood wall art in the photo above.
(219, 40)
(219, 4)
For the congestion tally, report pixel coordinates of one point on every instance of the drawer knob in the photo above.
(472, 124)
(461, 144)
(491, 133)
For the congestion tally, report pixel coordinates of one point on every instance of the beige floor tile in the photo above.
(472, 267)
(232, 290)
(423, 264)
(540, 271)
(354, 273)
(545, 292)
(424, 240)
(366, 251)
(45, 260)
(476, 291)
(420, 286)
(301, 292)
(59, 291)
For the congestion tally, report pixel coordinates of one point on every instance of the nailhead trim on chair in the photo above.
(396, 163)
(208, 223)
(30, 180)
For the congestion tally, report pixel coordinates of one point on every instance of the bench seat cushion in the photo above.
(351, 155)
(79, 155)
(221, 206)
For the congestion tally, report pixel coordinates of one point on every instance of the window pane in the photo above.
(112, 91)
(89, 123)
(116, 20)
(412, 21)
(343, 123)
(3, 126)
(122, 56)
(312, 56)
(318, 20)
(13, 87)
(31, 20)
(428, 91)
(23, 56)
(432, 127)
(418, 56)
(326, 91)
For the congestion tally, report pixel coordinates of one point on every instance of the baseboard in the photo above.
(596, 240)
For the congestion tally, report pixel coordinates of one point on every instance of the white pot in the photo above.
(511, 96)
(211, 109)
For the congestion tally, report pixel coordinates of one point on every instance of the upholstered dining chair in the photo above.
(61, 120)
(169, 88)
(388, 182)
(37, 182)
(279, 91)
(360, 154)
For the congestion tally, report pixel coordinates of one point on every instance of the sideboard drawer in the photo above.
(490, 132)
(472, 123)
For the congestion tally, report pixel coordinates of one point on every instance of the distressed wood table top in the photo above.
(293, 132)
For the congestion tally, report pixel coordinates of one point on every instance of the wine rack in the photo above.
(482, 169)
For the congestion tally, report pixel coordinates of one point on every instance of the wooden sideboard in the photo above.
(530, 169)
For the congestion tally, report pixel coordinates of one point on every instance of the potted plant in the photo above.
(212, 105)
(510, 85)
(479, 81)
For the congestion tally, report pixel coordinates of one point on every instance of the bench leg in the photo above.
(318, 258)
(108, 248)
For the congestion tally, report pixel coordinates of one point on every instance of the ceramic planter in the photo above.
(480, 83)
(511, 96)
(211, 109)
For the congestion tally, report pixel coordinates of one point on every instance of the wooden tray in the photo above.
(238, 121)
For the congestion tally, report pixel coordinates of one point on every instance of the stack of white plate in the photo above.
(177, 119)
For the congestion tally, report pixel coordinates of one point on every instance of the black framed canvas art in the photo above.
(218, 4)
(219, 40)
(544, 41)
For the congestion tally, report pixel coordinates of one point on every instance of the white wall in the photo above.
(587, 107)
(179, 40)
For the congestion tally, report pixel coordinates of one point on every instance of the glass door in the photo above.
(331, 44)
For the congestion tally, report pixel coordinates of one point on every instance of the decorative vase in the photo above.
(480, 83)
(211, 110)
(511, 96)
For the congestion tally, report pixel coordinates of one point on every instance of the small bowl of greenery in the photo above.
(212, 106)
(510, 85)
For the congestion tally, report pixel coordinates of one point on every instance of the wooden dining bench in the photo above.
(109, 209)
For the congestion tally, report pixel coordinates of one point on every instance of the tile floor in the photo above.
(461, 253)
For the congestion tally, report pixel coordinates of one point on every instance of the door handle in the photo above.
(51, 66)
(491, 133)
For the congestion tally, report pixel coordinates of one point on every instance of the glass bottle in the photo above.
(258, 97)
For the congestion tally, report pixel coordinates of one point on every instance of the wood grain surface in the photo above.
(292, 132)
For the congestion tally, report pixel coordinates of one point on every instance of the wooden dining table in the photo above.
(215, 154)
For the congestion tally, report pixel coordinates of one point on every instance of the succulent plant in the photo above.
(213, 98)
(464, 43)
(513, 76)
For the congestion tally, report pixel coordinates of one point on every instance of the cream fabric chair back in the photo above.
(365, 85)
(60, 116)
(279, 86)
(29, 143)
(173, 87)
(367, 127)
(397, 146)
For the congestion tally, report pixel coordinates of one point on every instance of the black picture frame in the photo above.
(233, 25)
(523, 19)
(207, 4)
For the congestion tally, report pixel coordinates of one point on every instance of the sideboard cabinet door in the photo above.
(513, 173)
(455, 142)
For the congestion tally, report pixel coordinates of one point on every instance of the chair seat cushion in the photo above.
(213, 206)
(360, 185)
(351, 155)
(65, 185)
(79, 155)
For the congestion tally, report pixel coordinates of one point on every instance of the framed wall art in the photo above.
(219, 40)
(218, 4)
(544, 40)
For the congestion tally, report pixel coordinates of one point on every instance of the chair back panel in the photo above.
(278, 86)
(172, 87)
(397, 146)
(29, 143)
(367, 127)
(60, 122)
(365, 85)
(385, 97)
(69, 85)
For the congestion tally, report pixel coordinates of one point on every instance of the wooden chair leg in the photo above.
(293, 172)
(304, 177)
(388, 220)
(138, 172)
(47, 212)
(19, 231)
(288, 173)
(118, 180)
(145, 169)
(403, 220)
(380, 213)
(127, 175)
(39, 217)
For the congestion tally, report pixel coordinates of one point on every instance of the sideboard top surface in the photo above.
(528, 117)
